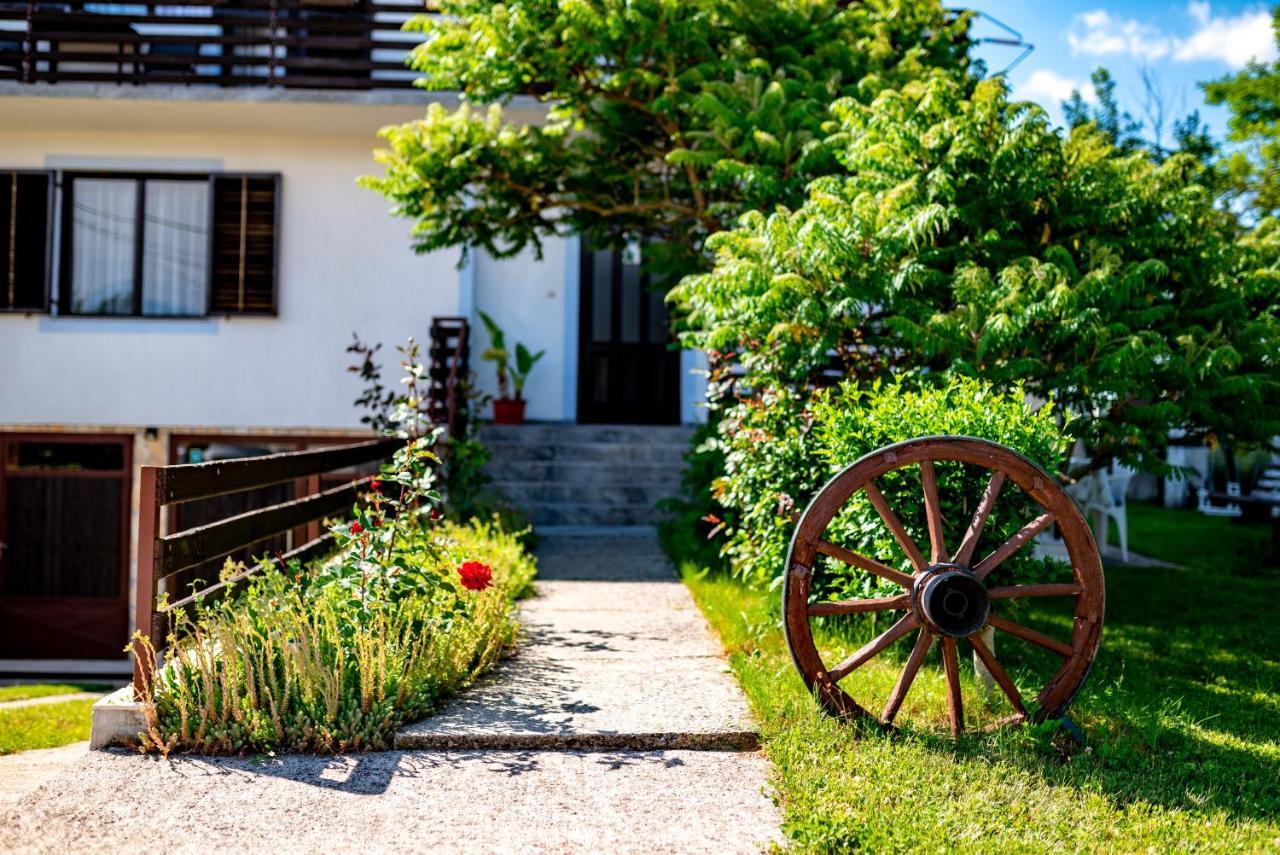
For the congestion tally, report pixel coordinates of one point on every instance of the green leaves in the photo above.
(968, 237)
(659, 120)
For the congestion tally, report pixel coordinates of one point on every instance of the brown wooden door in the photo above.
(64, 530)
(628, 373)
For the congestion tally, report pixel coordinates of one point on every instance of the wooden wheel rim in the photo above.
(1082, 553)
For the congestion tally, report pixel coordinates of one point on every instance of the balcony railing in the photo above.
(313, 44)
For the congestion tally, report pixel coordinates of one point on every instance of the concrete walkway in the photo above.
(579, 743)
(49, 699)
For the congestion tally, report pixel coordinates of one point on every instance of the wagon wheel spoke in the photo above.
(895, 526)
(1027, 634)
(950, 664)
(850, 607)
(923, 642)
(933, 512)
(1012, 545)
(1047, 589)
(863, 562)
(987, 504)
(1002, 679)
(873, 648)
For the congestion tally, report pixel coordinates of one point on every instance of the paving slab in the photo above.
(25, 771)
(606, 662)
(431, 801)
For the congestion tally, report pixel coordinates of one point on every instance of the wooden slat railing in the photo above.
(161, 557)
(294, 43)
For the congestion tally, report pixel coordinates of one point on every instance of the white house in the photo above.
(184, 256)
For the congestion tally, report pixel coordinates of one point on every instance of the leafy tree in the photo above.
(664, 120)
(1120, 128)
(1253, 96)
(969, 237)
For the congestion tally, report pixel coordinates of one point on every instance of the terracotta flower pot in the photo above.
(508, 411)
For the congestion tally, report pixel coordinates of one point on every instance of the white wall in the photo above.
(530, 300)
(345, 265)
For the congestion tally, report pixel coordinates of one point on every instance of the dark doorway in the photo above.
(628, 373)
(64, 546)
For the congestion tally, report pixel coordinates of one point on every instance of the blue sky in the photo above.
(1177, 43)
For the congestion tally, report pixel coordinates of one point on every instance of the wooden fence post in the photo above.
(149, 502)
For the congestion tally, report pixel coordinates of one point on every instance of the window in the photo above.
(167, 245)
(24, 240)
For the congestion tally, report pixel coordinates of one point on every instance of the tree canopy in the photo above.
(967, 236)
(665, 119)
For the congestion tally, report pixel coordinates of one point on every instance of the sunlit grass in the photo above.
(1182, 747)
(44, 725)
(45, 690)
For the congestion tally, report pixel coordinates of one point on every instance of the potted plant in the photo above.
(508, 409)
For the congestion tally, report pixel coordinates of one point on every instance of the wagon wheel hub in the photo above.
(950, 598)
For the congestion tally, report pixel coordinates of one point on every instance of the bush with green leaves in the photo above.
(780, 448)
(966, 236)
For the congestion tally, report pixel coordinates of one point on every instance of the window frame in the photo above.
(66, 242)
(51, 190)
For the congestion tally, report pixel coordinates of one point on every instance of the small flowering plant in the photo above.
(475, 576)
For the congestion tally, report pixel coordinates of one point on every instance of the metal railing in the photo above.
(315, 44)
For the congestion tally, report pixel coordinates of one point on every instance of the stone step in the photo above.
(600, 452)
(567, 433)
(591, 514)
(526, 493)
(578, 472)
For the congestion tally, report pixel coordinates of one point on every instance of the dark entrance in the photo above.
(64, 546)
(628, 373)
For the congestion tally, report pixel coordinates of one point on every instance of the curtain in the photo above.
(103, 237)
(175, 252)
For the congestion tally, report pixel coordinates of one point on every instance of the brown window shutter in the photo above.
(242, 272)
(24, 240)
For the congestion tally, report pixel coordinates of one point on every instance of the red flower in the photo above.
(475, 576)
(376, 485)
(435, 514)
(375, 522)
(356, 528)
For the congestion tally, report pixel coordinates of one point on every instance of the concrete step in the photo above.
(566, 433)
(526, 493)
(579, 472)
(591, 514)
(597, 452)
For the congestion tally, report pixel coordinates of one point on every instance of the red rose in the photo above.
(356, 528)
(475, 576)
(435, 514)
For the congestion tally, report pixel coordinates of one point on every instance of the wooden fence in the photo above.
(163, 557)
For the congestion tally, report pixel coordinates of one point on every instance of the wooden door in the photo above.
(628, 372)
(64, 545)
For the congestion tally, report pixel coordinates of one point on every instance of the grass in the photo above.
(1181, 716)
(1184, 536)
(44, 725)
(45, 690)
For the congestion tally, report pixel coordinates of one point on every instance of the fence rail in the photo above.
(161, 557)
(316, 44)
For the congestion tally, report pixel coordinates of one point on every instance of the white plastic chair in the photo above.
(1106, 501)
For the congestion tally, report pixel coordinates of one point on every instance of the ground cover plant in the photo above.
(1180, 716)
(44, 725)
(336, 656)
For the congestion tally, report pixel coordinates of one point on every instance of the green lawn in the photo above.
(1181, 713)
(44, 690)
(44, 725)
(1187, 537)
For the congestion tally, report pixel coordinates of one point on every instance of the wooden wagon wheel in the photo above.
(947, 597)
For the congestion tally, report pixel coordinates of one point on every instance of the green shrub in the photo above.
(315, 659)
(781, 448)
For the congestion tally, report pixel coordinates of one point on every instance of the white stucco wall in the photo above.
(344, 266)
(531, 301)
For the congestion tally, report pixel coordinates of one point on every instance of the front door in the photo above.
(64, 546)
(628, 372)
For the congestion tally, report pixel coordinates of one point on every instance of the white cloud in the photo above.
(1097, 33)
(1051, 88)
(1233, 41)
(1229, 40)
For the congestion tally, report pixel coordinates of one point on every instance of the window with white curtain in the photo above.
(135, 244)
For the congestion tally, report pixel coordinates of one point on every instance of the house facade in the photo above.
(185, 255)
